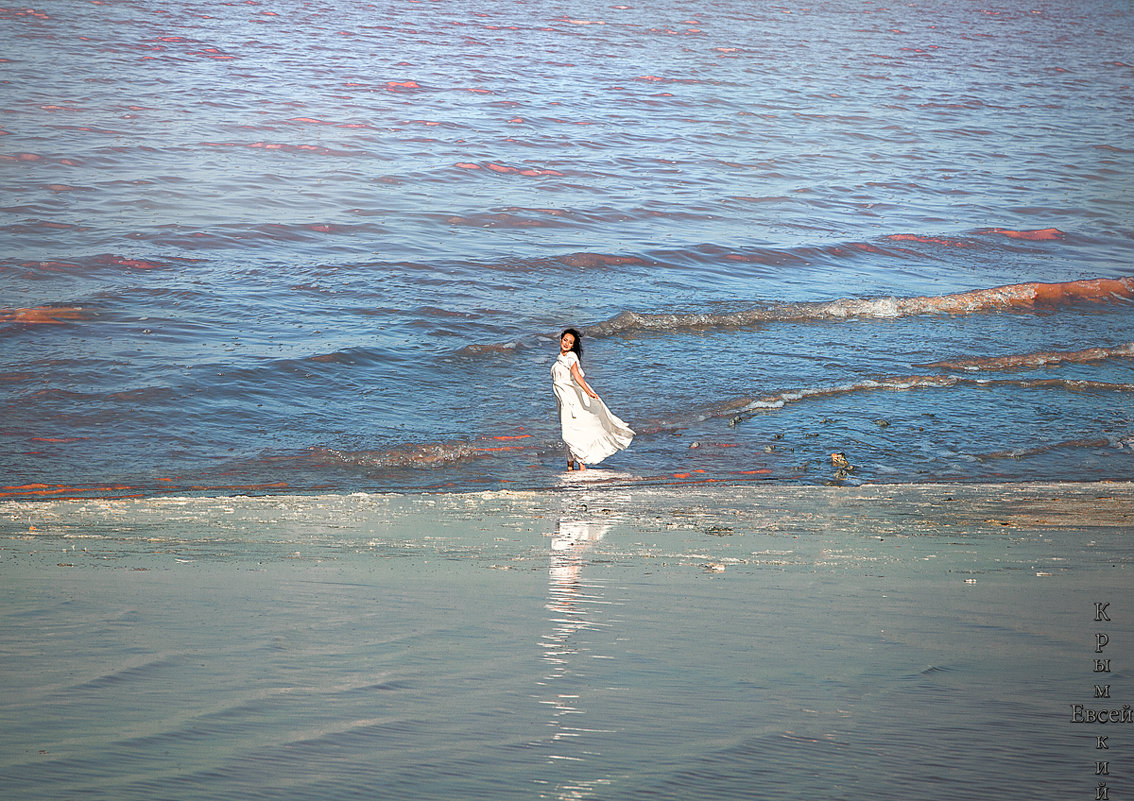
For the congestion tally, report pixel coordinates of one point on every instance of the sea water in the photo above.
(296, 246)
(892, 642)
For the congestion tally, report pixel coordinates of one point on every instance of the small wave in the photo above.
(747, 407)
(492, 348)
(431, 454)
(104, 261)
(1039, 451)
(283, 147)
(349, 356)
(1074, 384)
(1009, 297)
(594, 260)
(506, 169)
(1039, 359)
(781, 399)
(143, 395)
(578, 261)
(124, 674)
(505, 219)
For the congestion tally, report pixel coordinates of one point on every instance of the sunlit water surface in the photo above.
(327, 245)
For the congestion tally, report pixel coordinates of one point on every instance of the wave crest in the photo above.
(747, 407)
(1011, 296)
(427, 454)
(424, 455)
(1039, 359)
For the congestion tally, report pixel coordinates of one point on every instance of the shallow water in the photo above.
(315, 245)
(896, 642)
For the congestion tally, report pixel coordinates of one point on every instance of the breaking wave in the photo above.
(1033, 295)
(1009, 297)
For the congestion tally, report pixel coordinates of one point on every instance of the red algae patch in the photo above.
(29, 490)
(1041, 235)
(41, 315)
(927, 240)
(505, 169)
(1092, 289)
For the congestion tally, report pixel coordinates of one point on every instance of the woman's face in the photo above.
(566, 342)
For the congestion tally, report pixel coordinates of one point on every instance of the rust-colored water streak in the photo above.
(1042, 235)
(42, 315)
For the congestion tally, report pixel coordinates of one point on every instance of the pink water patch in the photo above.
(928, 240)
(1042, 235)
(504, 169)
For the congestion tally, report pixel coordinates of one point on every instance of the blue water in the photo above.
(329, 245)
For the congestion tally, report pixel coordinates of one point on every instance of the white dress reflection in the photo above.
(575, 606)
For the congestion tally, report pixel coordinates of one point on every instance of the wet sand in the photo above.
(914, 641)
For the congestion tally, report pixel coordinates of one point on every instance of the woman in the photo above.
(590, 431)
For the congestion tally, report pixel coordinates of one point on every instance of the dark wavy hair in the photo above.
(577, 348)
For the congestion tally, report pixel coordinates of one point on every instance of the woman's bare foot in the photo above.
(582, 466)
(570, 465)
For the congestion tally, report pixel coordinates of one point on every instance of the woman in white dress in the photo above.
(590, 432)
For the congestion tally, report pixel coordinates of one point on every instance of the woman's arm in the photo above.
(579, 380)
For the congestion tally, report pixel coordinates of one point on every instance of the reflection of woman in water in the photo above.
(590, 431)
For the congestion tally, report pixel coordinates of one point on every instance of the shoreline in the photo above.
(592, 478)
(356, 524)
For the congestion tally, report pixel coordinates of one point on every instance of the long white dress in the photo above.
(590, 431)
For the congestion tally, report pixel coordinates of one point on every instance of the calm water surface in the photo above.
(886, 642)
(296, 245)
